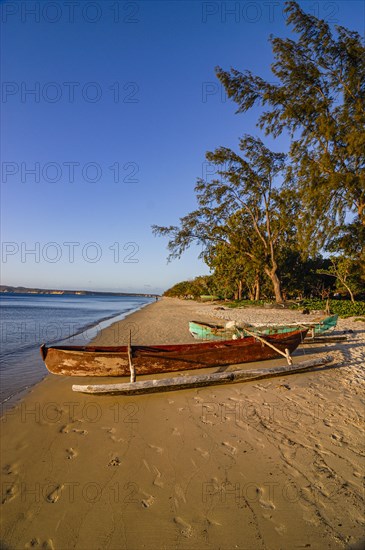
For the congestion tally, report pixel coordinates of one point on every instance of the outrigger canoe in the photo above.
(116, 360)
(211, 331)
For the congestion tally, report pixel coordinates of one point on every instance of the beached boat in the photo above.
(116, 360)
(210, 331)
(324, 324)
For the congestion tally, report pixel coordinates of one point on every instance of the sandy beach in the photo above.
(272, 464)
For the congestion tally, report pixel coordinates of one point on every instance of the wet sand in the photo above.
(271, 464)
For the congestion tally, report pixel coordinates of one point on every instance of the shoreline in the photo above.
(275, 463)
(100, 326)
(31, 356)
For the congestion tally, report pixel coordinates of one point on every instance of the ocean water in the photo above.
(28, 320)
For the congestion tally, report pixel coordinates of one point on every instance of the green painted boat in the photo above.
(324, 324)
(211, 331)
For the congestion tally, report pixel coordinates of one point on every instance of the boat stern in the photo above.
(43, 351)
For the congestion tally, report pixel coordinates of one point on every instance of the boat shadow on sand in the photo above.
(335, 346)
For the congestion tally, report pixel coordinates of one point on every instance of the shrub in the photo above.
(344, 308)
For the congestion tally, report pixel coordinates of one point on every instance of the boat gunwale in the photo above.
(321, 325)
(242, 342)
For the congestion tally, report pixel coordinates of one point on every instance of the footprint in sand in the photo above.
(114, 461)
(158, 450)
(109, 430)
(186, 529)
(112, 432)
(147, 502)
(175, 431)
(80, 432)
(8, 469)
(55, 494)
(337, 439)
(71, 453)
(36, 543)
(180, 494)
(67, 428)
(205, 421)
(231, 449)
(280, 529)
(267, 504)
(213, 522)
(157, 481)
(8, 494)
(204, 454)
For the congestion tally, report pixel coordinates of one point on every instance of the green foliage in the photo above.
(179, 290)
(246, 303)
(344, 308)
(243, 214)
(192, 289)
(319, 101)
(348, 257)
(302, 277)
(342, 269)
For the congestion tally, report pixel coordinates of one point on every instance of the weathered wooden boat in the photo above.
(211, 331)
(117, 360)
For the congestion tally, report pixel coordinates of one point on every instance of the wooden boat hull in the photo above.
(325, 324)
(210, 331)
(113, 361)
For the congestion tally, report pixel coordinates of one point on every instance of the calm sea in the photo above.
(28, 320)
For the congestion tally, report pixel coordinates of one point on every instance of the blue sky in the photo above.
(113, 137)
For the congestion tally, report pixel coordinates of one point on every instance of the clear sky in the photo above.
(107, 110)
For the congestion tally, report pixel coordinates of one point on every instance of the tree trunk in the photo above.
(349, 291)
(257, 287)
(275, 283)
(239, 290)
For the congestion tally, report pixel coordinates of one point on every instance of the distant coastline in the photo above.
(24, 290)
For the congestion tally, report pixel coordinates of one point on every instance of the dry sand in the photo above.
(276, 464)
